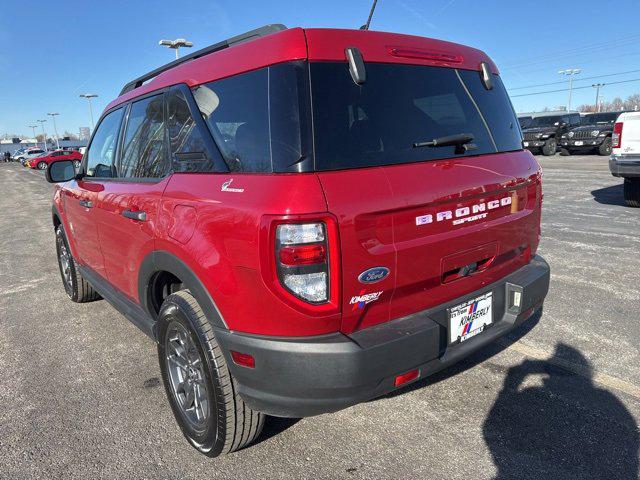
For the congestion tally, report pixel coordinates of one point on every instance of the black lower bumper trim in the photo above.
(625, 168)
(308, 376)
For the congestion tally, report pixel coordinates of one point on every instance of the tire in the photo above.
(565, 152)
(550, 147)
(632, 192)
(42, 165)
(77, 164)
(77, 288)
(605, 147)
(195, 373)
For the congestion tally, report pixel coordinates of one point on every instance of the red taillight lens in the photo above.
(303, 255)
(243, 359)
(616, 138)
(407, 377)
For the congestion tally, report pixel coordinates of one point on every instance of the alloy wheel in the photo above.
(64, 260)
(186, 376)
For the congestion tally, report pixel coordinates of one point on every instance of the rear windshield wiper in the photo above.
(462, 142)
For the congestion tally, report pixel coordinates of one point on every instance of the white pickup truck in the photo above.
(625, 155)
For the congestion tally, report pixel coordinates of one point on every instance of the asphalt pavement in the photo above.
(80, 395)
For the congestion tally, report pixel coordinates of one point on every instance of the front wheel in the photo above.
(605, 147)
(632, 192)
(77, 288)
(42, 165)
(202, 393)
(549, 147)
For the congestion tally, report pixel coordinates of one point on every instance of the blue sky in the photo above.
(53, 51)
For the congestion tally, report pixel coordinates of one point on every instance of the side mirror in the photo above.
(60, 171)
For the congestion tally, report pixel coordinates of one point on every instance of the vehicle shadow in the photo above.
(613, 195)
(563, 426)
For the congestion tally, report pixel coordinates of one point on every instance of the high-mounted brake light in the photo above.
(436, 56)
(616, 137)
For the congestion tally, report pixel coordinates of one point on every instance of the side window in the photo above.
(101, 153)
(143, 149)
(237, 112)
(189, 151)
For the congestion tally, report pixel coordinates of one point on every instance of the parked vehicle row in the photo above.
(570, 132)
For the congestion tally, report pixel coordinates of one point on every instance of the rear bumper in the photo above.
(625, 165)
(308, 376)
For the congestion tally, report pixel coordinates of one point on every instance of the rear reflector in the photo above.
(243, 359)
(407, 377)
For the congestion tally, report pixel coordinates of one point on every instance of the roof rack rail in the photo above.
(243, 37)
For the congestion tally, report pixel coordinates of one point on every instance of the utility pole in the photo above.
(89, 96)
(176, 44)
(597, 86)
(44, 135)
(33, 127)
(55, 129)
(570, 72)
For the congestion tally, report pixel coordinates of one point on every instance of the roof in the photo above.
(313, 44)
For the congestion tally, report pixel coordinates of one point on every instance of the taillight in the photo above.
(616, 138)
(302, 260)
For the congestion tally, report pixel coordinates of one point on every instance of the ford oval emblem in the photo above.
(373, 275)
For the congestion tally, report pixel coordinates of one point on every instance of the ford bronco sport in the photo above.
(305, 219)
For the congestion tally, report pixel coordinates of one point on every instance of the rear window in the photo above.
(378, 122)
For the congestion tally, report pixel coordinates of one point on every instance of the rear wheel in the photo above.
(42, 165)
(549, 147)
(202, 393)
(632, 191)
(77, 288)
(605, 147)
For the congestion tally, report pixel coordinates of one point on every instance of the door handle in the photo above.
(86, 203)
(139, 215)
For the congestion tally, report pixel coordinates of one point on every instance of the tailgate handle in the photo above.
(138, 215)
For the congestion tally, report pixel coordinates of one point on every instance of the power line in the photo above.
(575, 88)
(577, 80)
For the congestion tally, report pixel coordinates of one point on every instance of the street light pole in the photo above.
(570, 72)
(176, 44)
(44, 135)
(55, 129)
(597, 86)
(89, 96)
(33, 127)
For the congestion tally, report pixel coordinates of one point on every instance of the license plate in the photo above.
(526, 144)
(470, 318)
(578, 143)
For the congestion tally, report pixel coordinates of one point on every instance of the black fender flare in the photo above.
(160, 260)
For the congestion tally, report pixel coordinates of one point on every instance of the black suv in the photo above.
(594, 133)
(545, 130)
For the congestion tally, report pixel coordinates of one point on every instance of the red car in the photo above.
(42, 162)
(305, 219)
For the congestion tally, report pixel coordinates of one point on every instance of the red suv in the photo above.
(43, 161)
(305, 219)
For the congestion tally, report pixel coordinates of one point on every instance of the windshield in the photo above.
(524, 121)
(378, 122)
(545, 121)
(596, 118)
